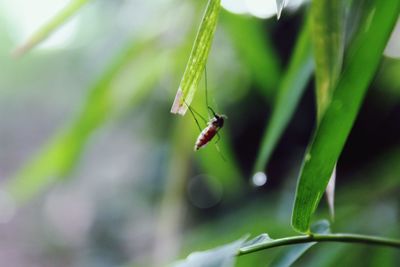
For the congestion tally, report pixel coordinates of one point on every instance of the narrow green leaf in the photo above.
(223, 256)
(328, 42)
(288, 96)
(364, 55)
(327, 37)
(198, 58)
(293, 253)
(57, 21)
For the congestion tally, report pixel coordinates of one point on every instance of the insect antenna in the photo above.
(206, 92)
(212, 111)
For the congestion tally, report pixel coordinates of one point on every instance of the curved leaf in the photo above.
(328, 43)
(288, 96)
(364, 55)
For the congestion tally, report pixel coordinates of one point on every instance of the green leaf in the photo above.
(107, 97)
(328, 42)
(57, 21)
(198, 58)
(294, 252)
(288, 96)
(361, 63)
(223, 256)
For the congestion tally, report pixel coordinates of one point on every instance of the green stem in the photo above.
(347, 238)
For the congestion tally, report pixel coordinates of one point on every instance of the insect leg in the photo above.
(194, 117)
(219, 152)
(193, 111)
(206, 92)
(196, 112)
(219, 138)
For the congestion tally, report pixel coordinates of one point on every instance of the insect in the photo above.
(213, 125)
(212, 128)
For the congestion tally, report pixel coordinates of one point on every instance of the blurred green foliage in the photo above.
(95, 170)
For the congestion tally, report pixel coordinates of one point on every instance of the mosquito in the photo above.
(214, 124)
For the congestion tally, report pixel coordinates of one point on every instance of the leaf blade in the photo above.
(197, 59)
(288, 96)
(339, 117)
(328, 46)
(327, 37)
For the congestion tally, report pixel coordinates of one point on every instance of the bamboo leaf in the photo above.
(47, 29)
(198, 58)
(288, 96)
(327, 37)
(364, 55)
(328, 42)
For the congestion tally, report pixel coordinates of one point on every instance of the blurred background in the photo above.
(95, 171)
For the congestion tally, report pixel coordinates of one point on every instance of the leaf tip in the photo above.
(178, 106)
(280, 4)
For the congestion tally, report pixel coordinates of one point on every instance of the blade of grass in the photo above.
(364, 55)
(60, 154)
(57, 21)
(328, 42)
(288, 96)
(198, 58)
(327, 38)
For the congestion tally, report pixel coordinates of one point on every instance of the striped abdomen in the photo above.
(206, 135)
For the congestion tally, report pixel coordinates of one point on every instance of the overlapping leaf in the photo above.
(290, 90)
(362, 60)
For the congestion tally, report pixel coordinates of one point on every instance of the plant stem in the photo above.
(347, 238)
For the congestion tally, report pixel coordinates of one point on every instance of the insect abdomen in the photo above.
(205, 136)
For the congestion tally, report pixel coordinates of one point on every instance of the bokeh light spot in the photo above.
(259, 179)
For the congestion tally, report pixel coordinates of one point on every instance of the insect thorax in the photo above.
(218, 120)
